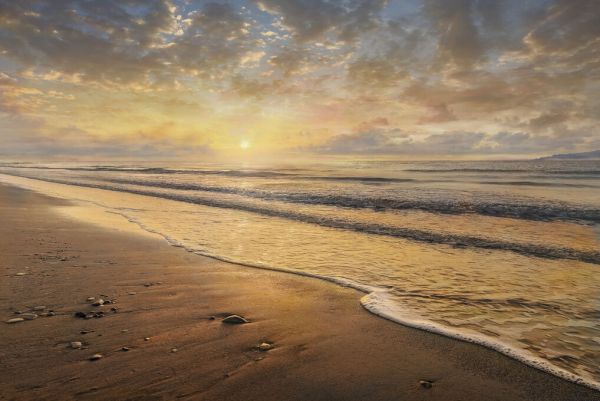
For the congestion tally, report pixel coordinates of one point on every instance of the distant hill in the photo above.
(595, 154)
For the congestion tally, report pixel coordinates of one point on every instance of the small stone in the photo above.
(18, 312)
(124, 331)
(80, 315)
(99, 302)
(76, 344)
(98, 315)
(265, 347)
(15, 320)
(235, 319)
(90, 299)
(173, 350)
(132, 293)
(20, 274)
(51, 313)
(426, 384)
(125, 349)
(39, 308)
(113, 309)
(211, 318)
(84, 332)
(95, 357)
(29, 316)
(146, 338)
(147, 285)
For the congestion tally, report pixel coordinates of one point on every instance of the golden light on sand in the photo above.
(245, 144)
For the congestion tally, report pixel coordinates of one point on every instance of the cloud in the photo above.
(460, 77)
(459, 41)
(395, 142)
(374, 72)
(99, 40)
(121, 42)
(310, 20)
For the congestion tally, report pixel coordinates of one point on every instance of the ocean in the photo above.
(505, 254)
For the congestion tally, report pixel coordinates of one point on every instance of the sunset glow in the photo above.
(419, 78)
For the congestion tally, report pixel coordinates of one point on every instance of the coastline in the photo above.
(326, 346)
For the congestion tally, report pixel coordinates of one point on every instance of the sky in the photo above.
(164, 79)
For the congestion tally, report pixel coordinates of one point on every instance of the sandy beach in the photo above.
(167, 307)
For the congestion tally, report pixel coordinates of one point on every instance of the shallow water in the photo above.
(506, 254)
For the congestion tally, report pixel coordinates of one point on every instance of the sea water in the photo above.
(504, 254)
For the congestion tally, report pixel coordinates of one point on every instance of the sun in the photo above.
(245, 144)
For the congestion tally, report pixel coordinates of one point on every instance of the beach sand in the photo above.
(325, 345)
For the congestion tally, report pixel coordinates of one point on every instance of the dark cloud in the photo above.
(394, 141)
(291, 60)
(374, 72)
(127, 41)
(215, 41)
(101, 40)
(459, 41)
(312, 19)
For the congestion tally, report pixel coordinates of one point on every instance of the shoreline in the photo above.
(326, 346)
(381, 310)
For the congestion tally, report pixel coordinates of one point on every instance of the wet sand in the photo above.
(326, 346)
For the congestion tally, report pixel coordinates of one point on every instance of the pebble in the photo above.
(131, 293)
(20, 274)
(15, 320)
(235, 319)
(173, 350)
(99, 302)
(80, 315)
(124, 331)
(39, 308)
(90, 299)
(95, 357)
(146, 338)
(211, 318)
(29, 316)
(51, 313)
(125, 349)
(265, 347)
(76, 344)
(426, 384)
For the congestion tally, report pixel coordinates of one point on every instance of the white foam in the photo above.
(380, 304)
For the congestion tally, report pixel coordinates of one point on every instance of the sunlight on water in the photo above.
(512, 266)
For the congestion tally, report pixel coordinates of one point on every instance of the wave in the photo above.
(379, 301)
(380, 304)
(458, 241)
(500, 170)
(339, 178)
(538, 184)
(156, 170)
(539, 211)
